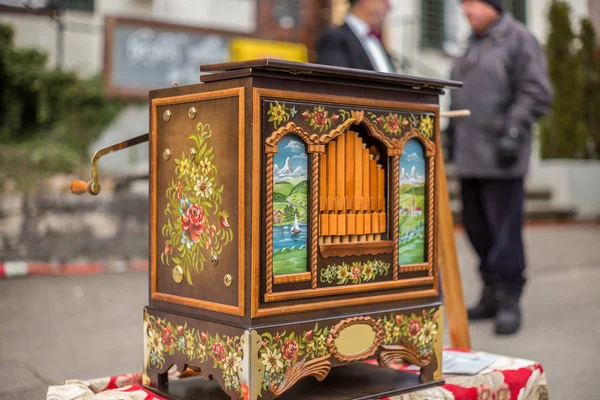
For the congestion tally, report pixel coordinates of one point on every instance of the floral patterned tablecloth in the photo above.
(506, 379)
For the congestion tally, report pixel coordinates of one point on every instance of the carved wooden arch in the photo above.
(430, 151)
(427, 144)
(291, 128)
(357, 117)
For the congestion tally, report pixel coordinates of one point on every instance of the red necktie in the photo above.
(375, 33)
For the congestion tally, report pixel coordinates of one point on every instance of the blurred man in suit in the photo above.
(357, 43)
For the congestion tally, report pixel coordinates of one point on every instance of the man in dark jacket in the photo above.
(357, 43)
(507, 89)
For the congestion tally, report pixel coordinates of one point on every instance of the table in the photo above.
(506, 379)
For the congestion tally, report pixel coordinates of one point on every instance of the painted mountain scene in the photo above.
(412, 204)
(290, 207)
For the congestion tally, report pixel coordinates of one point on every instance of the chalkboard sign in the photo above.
(141, 55)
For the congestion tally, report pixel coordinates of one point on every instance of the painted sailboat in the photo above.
(295, 229)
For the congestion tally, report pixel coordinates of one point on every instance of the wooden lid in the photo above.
(306, 69)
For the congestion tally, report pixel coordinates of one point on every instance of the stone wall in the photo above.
(53, 225)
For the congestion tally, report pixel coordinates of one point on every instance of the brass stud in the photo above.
(228, 280)
(178, 274)
(192, 153)
(166, 154)
(167, 115)
(214, 260)
(192, 112)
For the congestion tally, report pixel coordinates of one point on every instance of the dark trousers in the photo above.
(493, 219)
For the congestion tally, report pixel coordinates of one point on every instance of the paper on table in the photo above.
(463, 363)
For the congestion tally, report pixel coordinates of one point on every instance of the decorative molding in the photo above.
(395, 216)
(336, 331)
(318, 367)
(328, 250)
(292, 278)
(430, 213)
(269, 222)
(314, 226)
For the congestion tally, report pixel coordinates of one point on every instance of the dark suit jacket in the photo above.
(341, 47)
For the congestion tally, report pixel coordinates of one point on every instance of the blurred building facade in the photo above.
(422, 34)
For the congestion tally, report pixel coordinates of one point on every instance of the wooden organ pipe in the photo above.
(351, 191)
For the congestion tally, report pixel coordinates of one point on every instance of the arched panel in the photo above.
(412, 199)
(290, 209)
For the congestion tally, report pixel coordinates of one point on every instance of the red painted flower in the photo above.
(335, 117)
(380, 120)
(414, 327)
(320, 117)
(178, 190)
(306, 114)
(424, 314)
(405, 122)
(167, 337)
(355, 272)
(193, 222)
(399, 319)
(277, 337)
(223, 221)
(392, 123)
(308, 335)
(218, 352)
(290, 350)
(180, 330)
(168, 248)
(203, 337)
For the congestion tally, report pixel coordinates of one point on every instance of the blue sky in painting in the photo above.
(291, 146)
(412, 157)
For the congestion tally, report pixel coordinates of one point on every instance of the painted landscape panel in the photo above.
(412, 204)
(290, 207)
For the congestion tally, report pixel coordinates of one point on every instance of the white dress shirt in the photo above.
(371, 44)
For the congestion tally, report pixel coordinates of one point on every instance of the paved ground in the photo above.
(57, 328)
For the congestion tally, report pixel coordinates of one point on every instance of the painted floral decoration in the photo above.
(394, 124)
(418, 330)
(320, 119)
(225, 351)
(283, 350)
(196, 226)
(357, 272)
(279, 113)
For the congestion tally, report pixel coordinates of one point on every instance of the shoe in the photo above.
(508, 317)
(486, 308)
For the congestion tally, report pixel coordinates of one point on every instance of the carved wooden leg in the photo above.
(318, 367)
(392, 354)
(428, 371)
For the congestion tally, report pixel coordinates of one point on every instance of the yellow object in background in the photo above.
(251, 49)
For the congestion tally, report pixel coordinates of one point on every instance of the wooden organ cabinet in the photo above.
(292, 233)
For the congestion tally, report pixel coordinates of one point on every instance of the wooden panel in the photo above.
(174, 134)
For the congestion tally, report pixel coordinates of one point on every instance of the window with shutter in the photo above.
(432, 24)
(78, 5)
(518, 8)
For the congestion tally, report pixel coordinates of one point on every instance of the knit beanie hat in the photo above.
(497, 4)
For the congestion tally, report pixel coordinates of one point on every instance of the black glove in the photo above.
(508, 148)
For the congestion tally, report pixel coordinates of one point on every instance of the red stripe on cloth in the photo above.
(2, 270)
